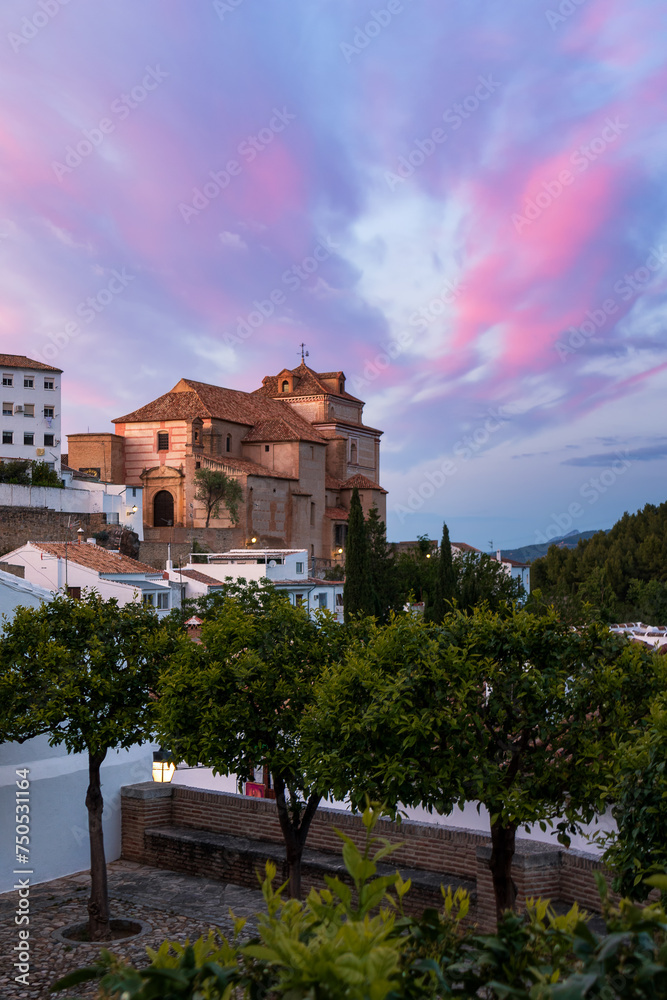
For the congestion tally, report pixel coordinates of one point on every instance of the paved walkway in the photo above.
(173, 905)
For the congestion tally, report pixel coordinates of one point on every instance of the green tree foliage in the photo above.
(507, 709)
(357, 589)
(481, 579)
(238, 701)
(639, 846)
(381, 567)
(622, 573)
(82, 672)
(25, 473)
(445, 579)
(353, 941)
(214, 487)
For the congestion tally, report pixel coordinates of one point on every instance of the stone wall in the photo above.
(454, 854)
(19, 525)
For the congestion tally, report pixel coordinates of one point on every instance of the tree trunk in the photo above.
(295, 831)
(502, 853)
(98, 904)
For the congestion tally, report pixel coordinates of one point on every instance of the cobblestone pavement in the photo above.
(173, 905)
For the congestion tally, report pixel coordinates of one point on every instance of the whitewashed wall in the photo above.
(58, 815)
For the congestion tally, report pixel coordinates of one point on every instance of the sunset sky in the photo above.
(461, 204)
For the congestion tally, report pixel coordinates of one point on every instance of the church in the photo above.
(297, 445)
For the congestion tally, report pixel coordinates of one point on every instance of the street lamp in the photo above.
(163, 766)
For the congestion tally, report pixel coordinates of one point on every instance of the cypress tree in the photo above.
(445, 581)
(381, 566)
(356, 592)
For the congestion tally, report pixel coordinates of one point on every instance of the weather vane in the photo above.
(304, 353)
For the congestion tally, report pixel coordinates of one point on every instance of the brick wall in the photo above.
(19, 525)
(539, 869)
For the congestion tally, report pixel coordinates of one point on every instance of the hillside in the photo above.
(527, 553)
(622, 573)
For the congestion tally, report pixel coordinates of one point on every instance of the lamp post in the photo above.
(163, 766)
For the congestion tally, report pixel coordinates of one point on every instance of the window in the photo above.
(8, 409)
(147, 599)
(196, 435)
(52, 467)
(48, 443)
(339, 600)
(48, 411)
(299, 567)
(341, 387)
(134, 491)
(322, 600)
(29, 410)
(28, 438)
(312, 515)
(353, 453)
(298, 600)
(340, 535)
(162, 600)
(284, 387)
(197, 465)
(228, 443)
(267, 447)
(163, 442)
(28, 382)
(8, 380)
(8, 437)
(74, 593)
(48, 383)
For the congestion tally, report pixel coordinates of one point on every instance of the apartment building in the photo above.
(30, 422)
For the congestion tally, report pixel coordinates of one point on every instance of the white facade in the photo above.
(58, 783)
(287, 569)
(30, 421)
(125, 583)
(122, 504)
(15, 592)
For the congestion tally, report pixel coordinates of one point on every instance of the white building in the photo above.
(30, 410)
(73, 567)
(58, 781)
(287, 569)
(82, 494)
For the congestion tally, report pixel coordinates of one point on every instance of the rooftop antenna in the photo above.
(304, 353)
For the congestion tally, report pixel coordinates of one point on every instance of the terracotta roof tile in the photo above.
(309, 384)
(95, 557)
(194, 574)
(189, 399)
(20, 361)
(331, 483)
(362, 483)
(336, 513)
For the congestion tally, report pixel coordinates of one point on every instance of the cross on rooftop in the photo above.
(304, 353)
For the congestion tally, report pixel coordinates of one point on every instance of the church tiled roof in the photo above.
(189, 399)
(309, 384)
(362, 483)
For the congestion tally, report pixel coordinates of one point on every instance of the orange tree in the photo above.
(238, 700)
(82, 673)
(505, 709)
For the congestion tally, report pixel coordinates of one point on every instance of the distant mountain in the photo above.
(528, 553)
